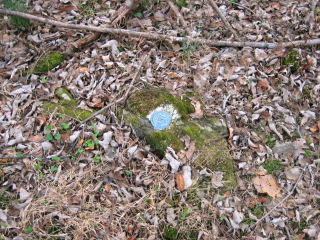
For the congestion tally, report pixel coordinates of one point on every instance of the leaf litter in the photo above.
(101, 182)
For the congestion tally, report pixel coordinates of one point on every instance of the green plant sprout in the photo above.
(49, 137)
(37, 167)
(56, 158)
(64, 125)
(57, 136)
(44, 79)
(96, 159)
(29, 229)
(53, 168)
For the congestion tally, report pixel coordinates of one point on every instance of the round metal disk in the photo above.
(160, 120)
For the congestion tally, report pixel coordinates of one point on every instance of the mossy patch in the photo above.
(67, 105)
(291, 61)
(65, 97)
(48, 62)
(148, 99)
(211, 149)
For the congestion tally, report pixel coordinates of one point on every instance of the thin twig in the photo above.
(124, 10)
(177, 13)
(282, 201)
(113, 202)
(123, 98)
(163, 37)
(224, 20)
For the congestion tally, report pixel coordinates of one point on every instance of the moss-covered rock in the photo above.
(67, 105)
(212, 149)
(48, 62)
(65, 97)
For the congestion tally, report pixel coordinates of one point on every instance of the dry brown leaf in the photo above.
(66, 8)
(262, 171)
(265, 114)
(96, 103)
(301, 236)
(36, 139)
(118, 135)
(180, 182)
(263, 85)
(80, 143)
(42, 120)
(89, 148)
(181, 154)
(65, 136)
(213, 65)
(308, 65)
(276, 5)
(314, 128)
(231, 133)
(192, 148)
(186, 140)
(173, 75)
(198, 111)
(267, 184)
(83, 69)
(107, 187)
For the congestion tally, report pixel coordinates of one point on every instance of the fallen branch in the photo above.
(283, 200)
(123, 98)
(162, 37)
(224, 20)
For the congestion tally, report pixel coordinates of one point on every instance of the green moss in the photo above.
(272, 166)
(148, 99)
(159, 140)
(65, 97)
(169, 233)
(181, 3)
(215, 155)
(88, 7)
(48, 62)
(67, 105)
(291, 61)
(257, 210)
(307, 93)
(71, 111)
(212, 149)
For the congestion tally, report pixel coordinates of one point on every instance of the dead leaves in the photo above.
(198, 109)
(180, 182)
(265, 183)
(192, 148)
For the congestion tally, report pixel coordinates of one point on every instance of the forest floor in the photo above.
(64, 180)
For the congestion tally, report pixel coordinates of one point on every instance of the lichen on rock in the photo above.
(212, 150)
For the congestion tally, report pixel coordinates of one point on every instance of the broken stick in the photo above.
(163, 37)
(224, 20)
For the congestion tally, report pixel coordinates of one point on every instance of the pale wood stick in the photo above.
(224, 20)
(177, 13)
(162, 37)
